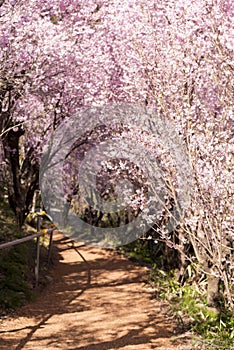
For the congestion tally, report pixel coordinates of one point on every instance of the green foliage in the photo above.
(16, 263)
(188, 302)
(8, 228)
(15, 287)
(137, 251)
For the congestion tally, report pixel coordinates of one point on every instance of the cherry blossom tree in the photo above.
(58, 57)
(43, 80)
(189, 76)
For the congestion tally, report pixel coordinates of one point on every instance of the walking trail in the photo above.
(95, 299)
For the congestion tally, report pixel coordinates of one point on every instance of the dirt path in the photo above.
(100, 302)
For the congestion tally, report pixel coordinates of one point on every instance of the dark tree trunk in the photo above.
(22, 178)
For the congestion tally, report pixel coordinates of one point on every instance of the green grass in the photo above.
(8, 227)
(136, 251)
(188, 303)
(214, 328)
(15, 272)
(16, 263)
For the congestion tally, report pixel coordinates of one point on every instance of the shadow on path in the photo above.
(97, 300)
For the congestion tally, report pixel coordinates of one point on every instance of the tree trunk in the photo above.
(22, 180)
(212, 290)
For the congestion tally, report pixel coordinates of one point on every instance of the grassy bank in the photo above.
(16, 263)
(213, 328)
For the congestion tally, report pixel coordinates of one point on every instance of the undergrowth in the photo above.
(136, 251)
(15, 272)
(16, 263)
(212, 327)
(188, 303)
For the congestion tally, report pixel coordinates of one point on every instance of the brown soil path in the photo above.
(95, 300)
